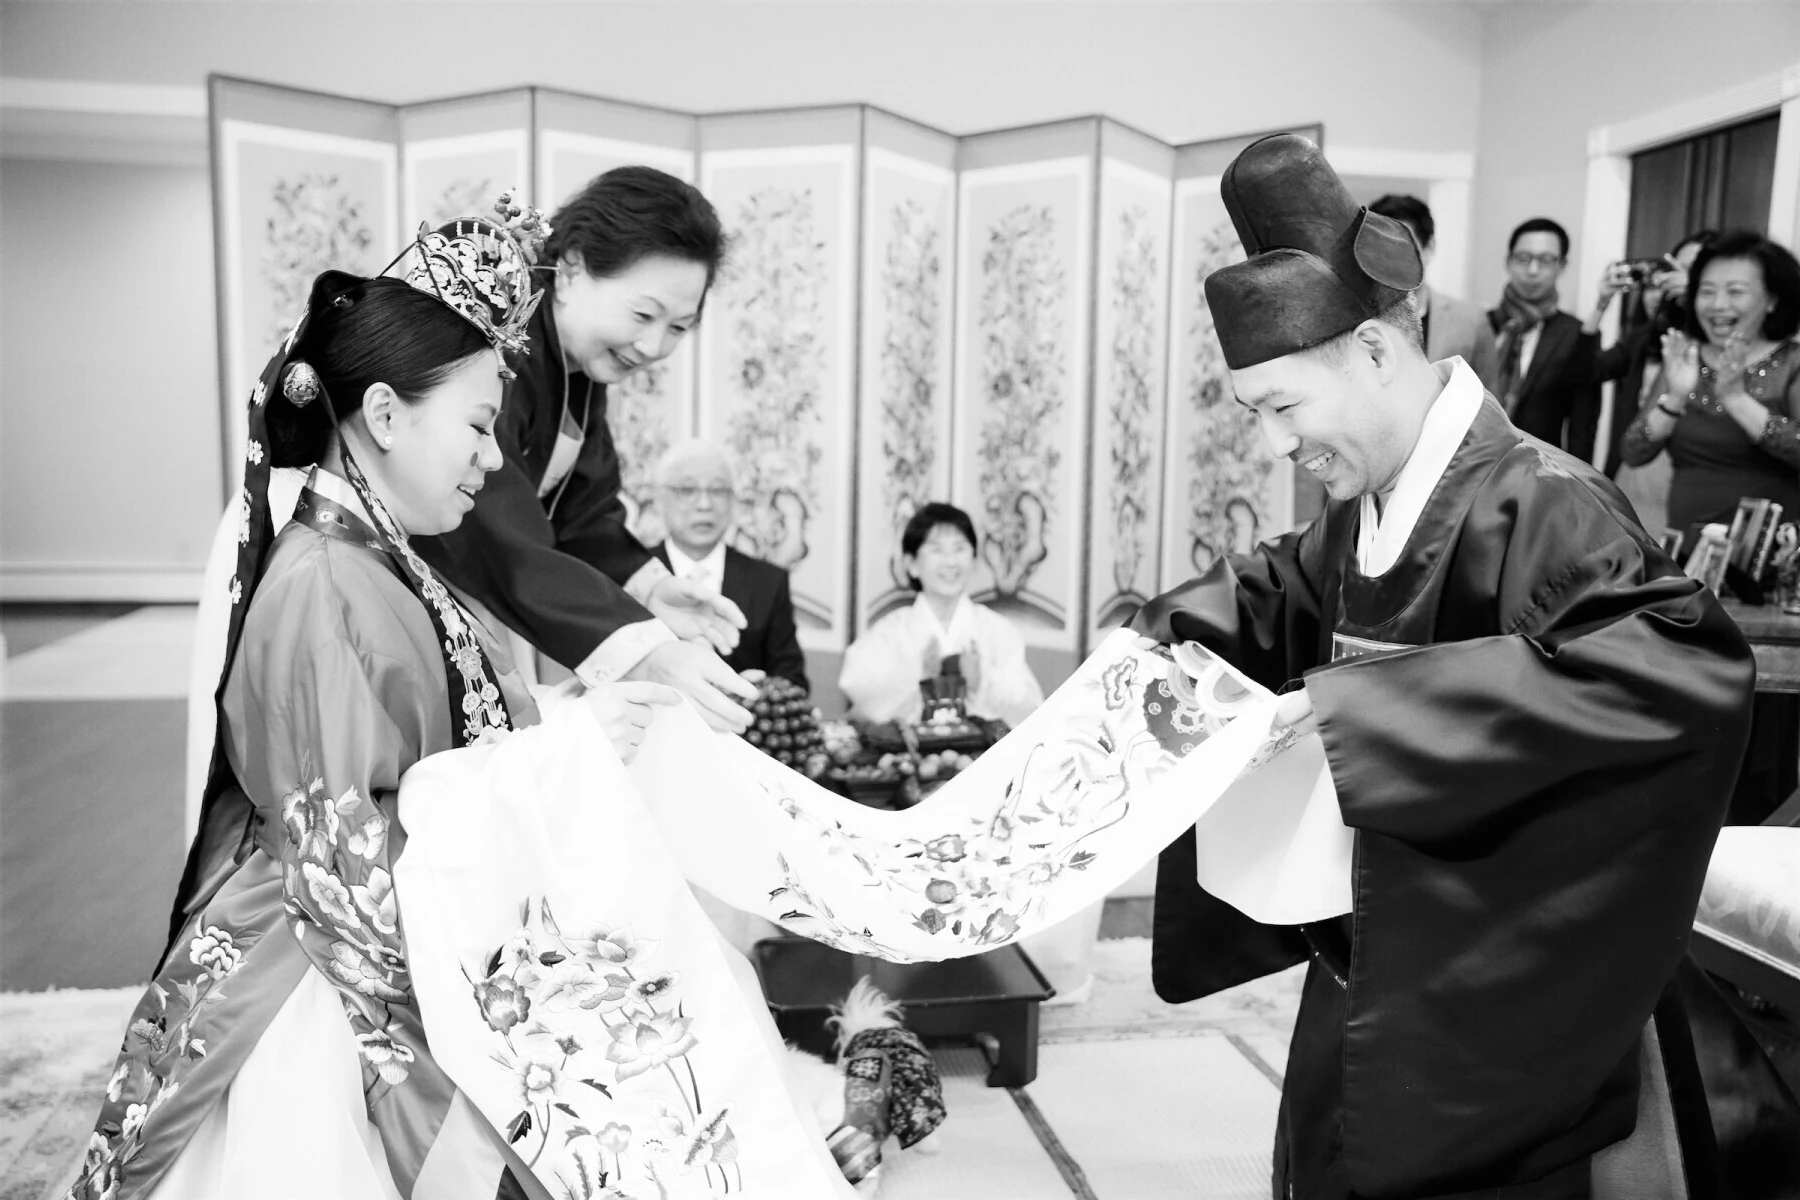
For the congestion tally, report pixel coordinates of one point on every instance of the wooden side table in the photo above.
(1774, 638)
(996, 993)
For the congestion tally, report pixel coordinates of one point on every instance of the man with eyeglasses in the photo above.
(697, 496)
(1546, 366)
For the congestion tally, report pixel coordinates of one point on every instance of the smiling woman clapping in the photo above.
(1729, 387)
(883, 668)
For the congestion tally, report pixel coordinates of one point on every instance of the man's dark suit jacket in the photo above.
(769, 641)
(1559, 400)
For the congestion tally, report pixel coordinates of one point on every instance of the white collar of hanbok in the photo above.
(337, 489)
(1382, 535)
(960, 631)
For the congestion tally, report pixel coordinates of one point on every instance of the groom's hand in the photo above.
(1294, 710)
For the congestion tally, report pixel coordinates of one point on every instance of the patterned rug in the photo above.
(56, 1049)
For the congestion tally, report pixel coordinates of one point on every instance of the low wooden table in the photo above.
(1774, 638)
(995, 994)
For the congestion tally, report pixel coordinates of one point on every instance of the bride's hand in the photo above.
(626, 709)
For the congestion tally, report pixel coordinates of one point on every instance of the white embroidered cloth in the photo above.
(576, 993)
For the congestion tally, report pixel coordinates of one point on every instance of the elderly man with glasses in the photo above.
(697, 497)
(1545, 379)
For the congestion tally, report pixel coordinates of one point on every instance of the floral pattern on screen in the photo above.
(462, 198)
(1023, 338)
(638, 412)
(909, 356)
(774, 288)
(316, 226)
(1229, 467)
(597, 1039)
(1130, 406)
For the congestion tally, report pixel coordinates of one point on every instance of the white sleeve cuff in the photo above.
(644, 580)
(622, 651)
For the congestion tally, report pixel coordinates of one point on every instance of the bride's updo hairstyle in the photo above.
(366, 331)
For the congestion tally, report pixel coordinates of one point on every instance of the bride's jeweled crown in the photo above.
(481, 267)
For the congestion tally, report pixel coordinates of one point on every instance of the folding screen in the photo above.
(1014, 321)
(908, 299)
(1130, 361)
(457, 156)
(301, 182)
(1025, 237)
(1223, 490)
(778, 349)
(579, 138)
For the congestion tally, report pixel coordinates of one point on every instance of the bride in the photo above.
(285, 982)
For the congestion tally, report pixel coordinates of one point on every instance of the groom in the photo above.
(1531, 717)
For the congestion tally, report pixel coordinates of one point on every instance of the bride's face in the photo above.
(443, 448)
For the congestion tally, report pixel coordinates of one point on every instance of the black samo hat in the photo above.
(1319, 263)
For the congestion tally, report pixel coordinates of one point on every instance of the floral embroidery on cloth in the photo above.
(598, 1039)
(977, 881)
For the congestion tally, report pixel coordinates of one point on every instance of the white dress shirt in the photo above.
(709, 570)
(1528, 344)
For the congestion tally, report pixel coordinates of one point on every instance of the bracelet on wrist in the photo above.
(1666, 409)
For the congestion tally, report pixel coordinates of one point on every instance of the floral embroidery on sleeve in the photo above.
(340, 895)
(160, 1048)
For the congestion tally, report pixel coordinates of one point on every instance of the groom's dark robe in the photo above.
(1533, 721)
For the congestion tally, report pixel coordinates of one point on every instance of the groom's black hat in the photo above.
(1319, 263)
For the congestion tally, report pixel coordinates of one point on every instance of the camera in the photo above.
(1643, 270)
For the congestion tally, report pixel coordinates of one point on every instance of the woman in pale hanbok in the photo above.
(883, 667)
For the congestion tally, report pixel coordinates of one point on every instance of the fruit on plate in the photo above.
(841, 741)
(785, 726)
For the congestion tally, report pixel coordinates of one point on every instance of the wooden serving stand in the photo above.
(986, 997)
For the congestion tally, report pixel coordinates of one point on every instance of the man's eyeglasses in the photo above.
(1524, 261)
(687, 493)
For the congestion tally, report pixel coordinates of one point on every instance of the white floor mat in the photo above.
(983, 1151)
(1165, 1117)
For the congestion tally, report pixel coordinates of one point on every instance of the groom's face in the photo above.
(1329, 410)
